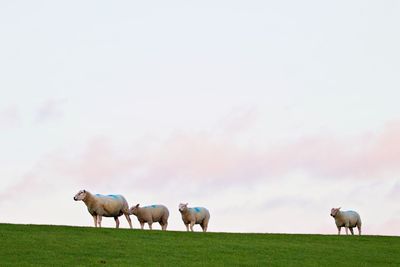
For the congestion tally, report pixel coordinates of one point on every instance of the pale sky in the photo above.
(268, 113)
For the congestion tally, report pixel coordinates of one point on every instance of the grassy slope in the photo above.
(71, 246)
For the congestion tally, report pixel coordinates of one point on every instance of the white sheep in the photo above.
(192, 216)
(104, 205)
(348, 219)
(150, 215)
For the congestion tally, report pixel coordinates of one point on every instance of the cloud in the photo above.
(9, 117)
(213, 160)
(29, 184)
(394, 193)
(99, 162)
(50, 109)
(206, 157)
(238, 120)
(288, 201)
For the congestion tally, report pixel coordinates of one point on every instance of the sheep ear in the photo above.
(137, 206)
(84, 191)
(339, 208)
(186, 204)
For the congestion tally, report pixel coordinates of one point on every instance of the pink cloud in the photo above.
(99, 162)
(207, 158)
(215, 161)
(385, 151)
(388, 227)
(28, 184)
(288, 201)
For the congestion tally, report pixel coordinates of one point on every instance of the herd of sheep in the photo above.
(116, 206)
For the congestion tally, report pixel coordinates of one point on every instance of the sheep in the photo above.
(347, 219)
(151, 214)
(104, 205)
(192, 216)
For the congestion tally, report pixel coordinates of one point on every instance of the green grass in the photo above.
(22, 245)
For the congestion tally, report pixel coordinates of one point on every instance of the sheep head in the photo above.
(134, 209)
(334, 212)
(81, 195)
(183, 207)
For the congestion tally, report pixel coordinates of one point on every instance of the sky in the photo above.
(268, 113)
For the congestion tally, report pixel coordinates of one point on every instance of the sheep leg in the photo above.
(351, 231)
(142, 225)
(191, 226)
(359, 229)
(204, 225)
(164, 226)
(187, 227)
(129, 220)
(95, 220)
(347, 230)
(150, 225)
(99, 217)
(116, 222)
(339, 228)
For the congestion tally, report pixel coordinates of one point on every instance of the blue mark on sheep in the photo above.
(112, 196)
(197, 210)
(151, 206)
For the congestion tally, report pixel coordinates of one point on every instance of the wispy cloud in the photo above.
(238, 120)
(50, 109)
(99, 162)
(27, 185)
(206, 158)
(10, 117)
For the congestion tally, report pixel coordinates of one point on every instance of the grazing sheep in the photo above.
(192, 216)
(348, 219)
(108, 206)
(151, 214)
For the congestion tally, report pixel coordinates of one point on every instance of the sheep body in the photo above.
(151, 214)
(104, 205)
(195, 215)
(348, 219)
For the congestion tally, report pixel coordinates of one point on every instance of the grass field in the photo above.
(73, 246)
